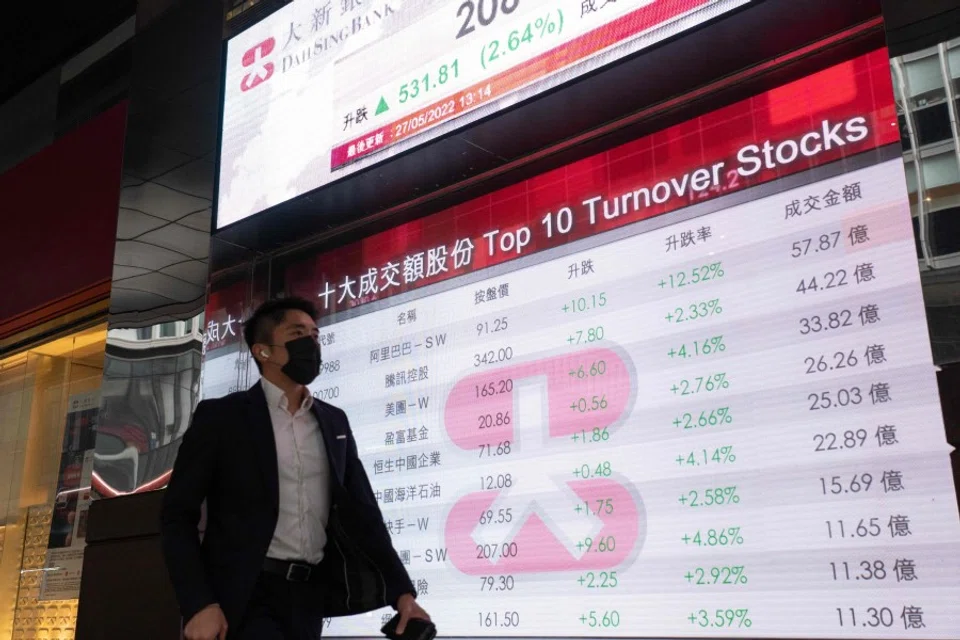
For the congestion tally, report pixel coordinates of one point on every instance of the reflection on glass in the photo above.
(926, 85)
(150, 386)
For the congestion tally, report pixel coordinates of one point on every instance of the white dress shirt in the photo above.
(304, 475)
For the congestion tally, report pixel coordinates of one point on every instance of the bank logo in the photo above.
(544, 532)
(260, 69)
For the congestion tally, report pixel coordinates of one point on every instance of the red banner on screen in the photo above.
(227, 307)
(839, 112)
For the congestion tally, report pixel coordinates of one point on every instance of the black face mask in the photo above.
(303, 367)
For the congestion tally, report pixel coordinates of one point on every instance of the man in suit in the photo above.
(293, 530)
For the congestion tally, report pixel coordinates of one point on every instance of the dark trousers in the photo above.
(282, 610)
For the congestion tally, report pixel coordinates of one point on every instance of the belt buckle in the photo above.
(299, 572)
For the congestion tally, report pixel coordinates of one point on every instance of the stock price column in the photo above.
(539, 409)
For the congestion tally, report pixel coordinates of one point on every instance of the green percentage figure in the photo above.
(721, 618)
(709, 498)
(709, 418)
(708, 346)
(728, 537)
(726, 576)
(704, 457)
(696, 275)
(701, 384)
(695, 311)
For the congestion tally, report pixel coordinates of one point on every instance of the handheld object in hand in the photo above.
(417, 629)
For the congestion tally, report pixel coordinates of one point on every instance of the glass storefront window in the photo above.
(933, 124)
(35, 391)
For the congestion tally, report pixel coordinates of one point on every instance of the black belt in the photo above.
(292, 571)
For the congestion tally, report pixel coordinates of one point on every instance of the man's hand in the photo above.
(207, 624)
(408, 609)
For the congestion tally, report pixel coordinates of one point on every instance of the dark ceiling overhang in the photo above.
(918, 24)
(36, 37)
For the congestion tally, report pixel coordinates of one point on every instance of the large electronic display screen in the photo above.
(683, 388)
(323, 88)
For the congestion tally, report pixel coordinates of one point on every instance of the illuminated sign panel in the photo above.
(323, 88)
(681, 388)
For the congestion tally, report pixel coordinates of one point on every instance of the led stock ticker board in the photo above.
(681, 388)
(323, 88)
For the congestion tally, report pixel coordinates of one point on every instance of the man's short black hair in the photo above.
(259, 326)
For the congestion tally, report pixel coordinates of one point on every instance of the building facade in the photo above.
(126, 297)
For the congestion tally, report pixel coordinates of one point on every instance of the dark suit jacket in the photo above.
(228, 457)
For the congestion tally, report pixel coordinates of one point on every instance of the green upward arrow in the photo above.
(383, 106)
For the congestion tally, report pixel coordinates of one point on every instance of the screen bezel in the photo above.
(435, 144)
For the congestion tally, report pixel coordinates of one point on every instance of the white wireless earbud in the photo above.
(265, 354)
